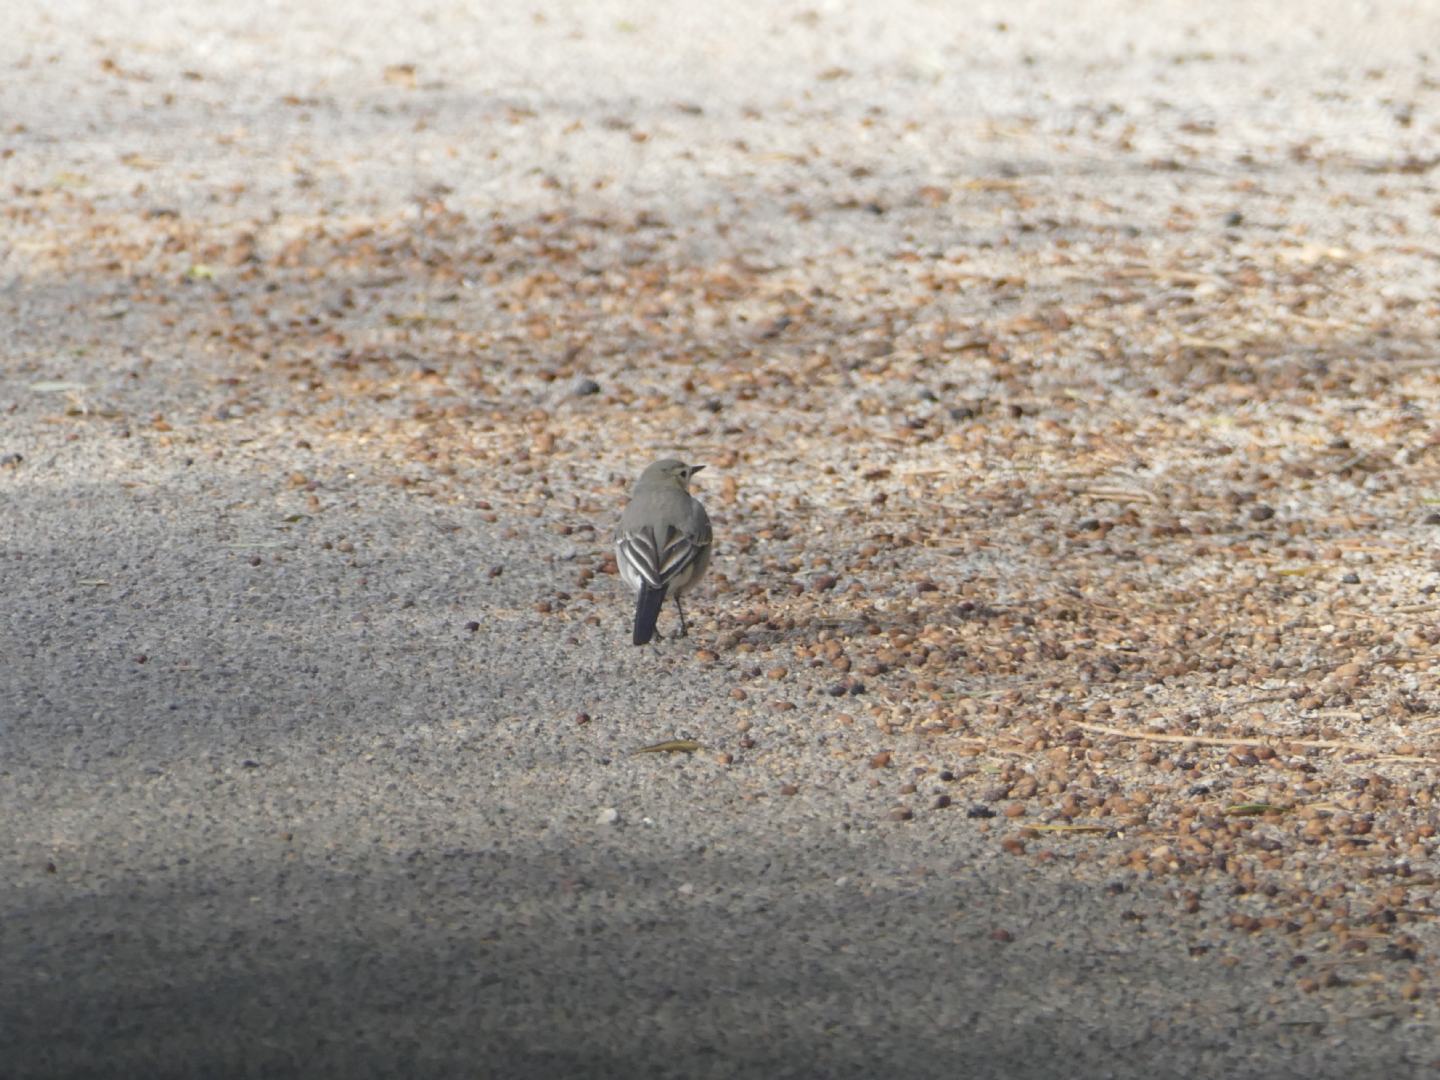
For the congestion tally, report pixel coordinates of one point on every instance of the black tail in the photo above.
(647, 611)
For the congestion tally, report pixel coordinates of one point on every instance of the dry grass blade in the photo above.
(1118, 494)
(670, 746)
(1229, 348)
(1177, 277)
(1255, 809)
(1235, 740)
(1406, 759)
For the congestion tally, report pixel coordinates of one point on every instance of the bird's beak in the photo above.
(695, 468)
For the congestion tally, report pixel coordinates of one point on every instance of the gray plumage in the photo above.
(662, 547)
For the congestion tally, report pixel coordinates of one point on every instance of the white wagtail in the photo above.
(663, 544)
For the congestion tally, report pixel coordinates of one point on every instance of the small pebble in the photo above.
(901, 813)
(608, 816)
(585, 388)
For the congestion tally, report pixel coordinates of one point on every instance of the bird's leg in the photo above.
(683, 631)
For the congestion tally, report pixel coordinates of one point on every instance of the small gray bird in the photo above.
(662, 546)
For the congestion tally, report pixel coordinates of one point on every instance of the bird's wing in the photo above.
(699, 524)
(659, 555)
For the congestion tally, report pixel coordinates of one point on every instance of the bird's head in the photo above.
(668, 470)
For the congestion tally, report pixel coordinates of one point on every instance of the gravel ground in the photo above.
(1065, 686)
